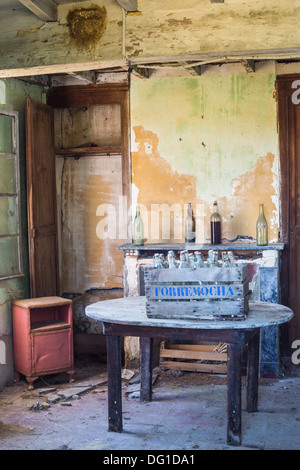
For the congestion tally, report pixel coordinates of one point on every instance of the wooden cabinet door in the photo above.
(41, 200)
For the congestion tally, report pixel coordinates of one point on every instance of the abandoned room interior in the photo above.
(107, 106)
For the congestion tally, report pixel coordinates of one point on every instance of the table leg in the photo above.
(252, 372)
(114, 383)
(146, 353)
(234, 425)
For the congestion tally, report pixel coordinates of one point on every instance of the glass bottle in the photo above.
(212, 259)
(182, 263)
(199, 260)
(157, 261)
(215, 225)
(189, 226)
(191, 262)
(261, 227)
(225, 260)
(138, 228)
(231, 259)
(163, 262)
(171, 260)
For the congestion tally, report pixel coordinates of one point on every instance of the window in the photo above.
(10, 230)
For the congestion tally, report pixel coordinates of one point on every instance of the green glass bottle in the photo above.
(138, 228)
(261, 227)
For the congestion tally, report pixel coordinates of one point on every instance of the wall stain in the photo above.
(158, 183)
(154, 177)
(240, 211)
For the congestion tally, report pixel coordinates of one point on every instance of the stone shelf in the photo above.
(236, 246)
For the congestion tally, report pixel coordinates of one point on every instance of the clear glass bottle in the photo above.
(212, 259)
(191, 262)
(231, 259)
(157, 261)
(215, 225)
(225, 260)
(171, 260)
(261, 227)
(199, 260)
(189, 226)
(163, 261)
(183, 263)
(138, 228)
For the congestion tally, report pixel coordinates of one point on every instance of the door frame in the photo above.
(284, 93)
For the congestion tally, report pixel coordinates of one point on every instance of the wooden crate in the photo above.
(197, 294)
(194, 358)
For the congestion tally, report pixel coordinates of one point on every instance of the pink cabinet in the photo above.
(43, 337)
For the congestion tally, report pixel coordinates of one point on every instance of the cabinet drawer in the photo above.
(52, 351)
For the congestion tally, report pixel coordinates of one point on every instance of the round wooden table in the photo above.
(127, 317)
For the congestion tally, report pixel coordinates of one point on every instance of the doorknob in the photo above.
(291, 230)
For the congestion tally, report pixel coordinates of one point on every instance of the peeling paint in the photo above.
(197, 139)
(23, 32)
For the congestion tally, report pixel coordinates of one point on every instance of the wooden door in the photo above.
(41, 200)
(93, 183)
(289, 132)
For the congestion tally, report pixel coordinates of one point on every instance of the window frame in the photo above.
(15, 154)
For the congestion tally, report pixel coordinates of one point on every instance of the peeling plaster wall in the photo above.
(12, 96)
(200, 139)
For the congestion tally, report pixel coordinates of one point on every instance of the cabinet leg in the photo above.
(71, 376)
(30, 381)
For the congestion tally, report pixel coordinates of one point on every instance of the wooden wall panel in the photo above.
(90, 186)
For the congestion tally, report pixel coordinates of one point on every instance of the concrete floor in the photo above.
(188, 413)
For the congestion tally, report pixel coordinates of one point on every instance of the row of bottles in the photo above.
(215, 227)
(193, 260)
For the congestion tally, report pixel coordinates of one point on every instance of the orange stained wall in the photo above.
(200, 139)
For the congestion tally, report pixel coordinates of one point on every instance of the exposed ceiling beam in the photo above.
(193, 70)
(128, 5)
(87, 78)
(249, 65)
(46, 10)
(141, 72)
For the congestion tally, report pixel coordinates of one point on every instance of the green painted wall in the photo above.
(216, 134)
(13, 94)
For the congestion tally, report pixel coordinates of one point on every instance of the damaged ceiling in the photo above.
(142, 67)
(46, 10)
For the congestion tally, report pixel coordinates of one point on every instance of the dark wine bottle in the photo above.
(215, 225)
